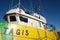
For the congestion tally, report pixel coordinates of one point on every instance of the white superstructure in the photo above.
(18, 16)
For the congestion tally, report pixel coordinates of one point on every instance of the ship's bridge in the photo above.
(18, 16)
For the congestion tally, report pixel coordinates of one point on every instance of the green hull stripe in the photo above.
(7, 37)
(4, 25)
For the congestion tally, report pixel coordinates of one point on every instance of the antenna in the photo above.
(19, 4)
(31, 5)
(12, 4)
(41, 8)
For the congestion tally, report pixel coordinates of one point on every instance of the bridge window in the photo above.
(23, 19)
(12, 18)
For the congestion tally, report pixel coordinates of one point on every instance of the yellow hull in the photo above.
(22, 32)
(33, 33)
(0, 37)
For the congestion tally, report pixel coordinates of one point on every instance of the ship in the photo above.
(20, 25)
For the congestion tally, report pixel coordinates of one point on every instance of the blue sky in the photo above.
(51, 9)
